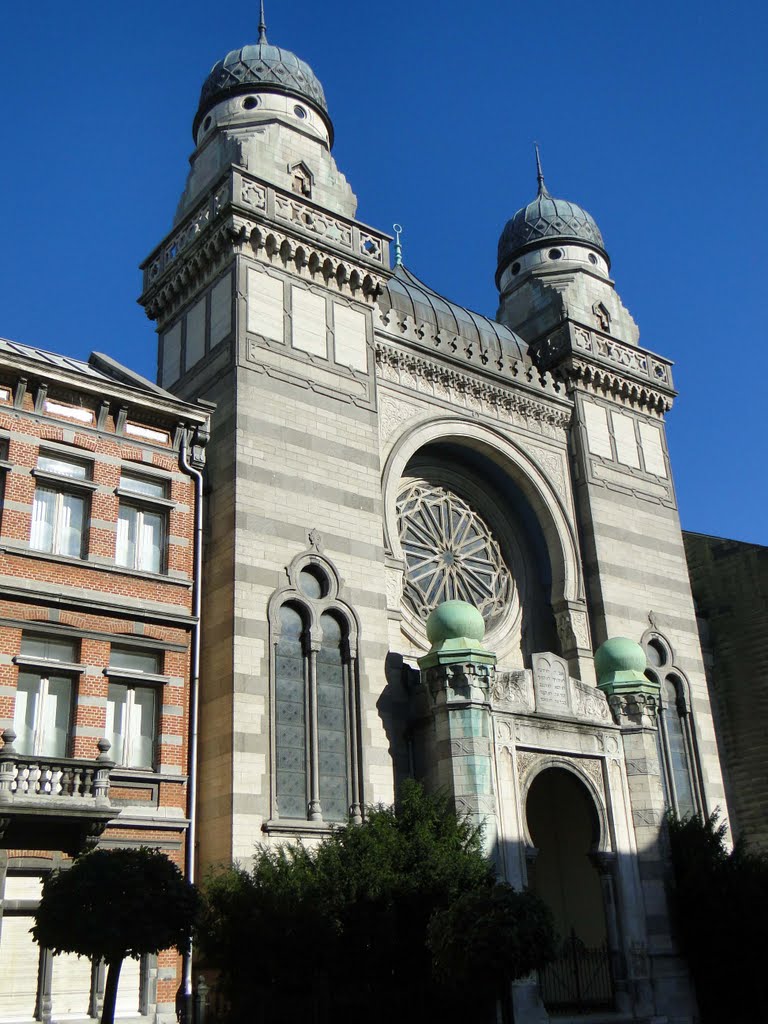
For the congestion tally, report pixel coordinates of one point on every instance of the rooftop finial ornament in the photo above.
(262, 24)
(539, 172)
(397, 228)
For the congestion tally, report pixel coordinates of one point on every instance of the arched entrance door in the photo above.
(565, 830)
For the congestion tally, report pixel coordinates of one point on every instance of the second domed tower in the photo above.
(553, 264)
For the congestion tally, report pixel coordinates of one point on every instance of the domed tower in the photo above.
(553, 264)
(263, 294)
(263, 108)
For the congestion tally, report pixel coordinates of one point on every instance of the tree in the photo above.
(488, 938)
(113, 904)
(350, 919)
(720, 906)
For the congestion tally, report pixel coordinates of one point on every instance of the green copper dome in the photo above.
(455, 620)
(618, 658)
(266, 68)
(547, 220)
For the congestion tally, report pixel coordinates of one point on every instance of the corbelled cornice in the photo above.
(594, 361)
(243, 215)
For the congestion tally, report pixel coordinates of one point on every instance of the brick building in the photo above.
(98, 539)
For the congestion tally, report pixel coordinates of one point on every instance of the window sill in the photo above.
(85, 563)
(298, 827)
(67, 667)
(136, 677)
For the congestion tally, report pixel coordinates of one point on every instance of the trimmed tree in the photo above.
(113, 904)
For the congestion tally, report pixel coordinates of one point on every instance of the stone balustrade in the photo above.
(53, 781)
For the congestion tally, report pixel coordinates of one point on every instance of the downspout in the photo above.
(194, 705)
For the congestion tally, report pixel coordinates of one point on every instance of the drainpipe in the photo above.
(194, 705)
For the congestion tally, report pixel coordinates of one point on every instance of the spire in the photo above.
(262, 24)
(539, 172)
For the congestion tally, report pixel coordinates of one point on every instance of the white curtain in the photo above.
(151, 541)
(43, 510)
(27, 699)
(143, 728)
(117, 702)
(56, 710)
(71, 527)
(126, 536)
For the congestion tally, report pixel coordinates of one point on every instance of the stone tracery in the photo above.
(450, 553)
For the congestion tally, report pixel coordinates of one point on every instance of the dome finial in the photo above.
(398, 245)
(539, 172)
(262, 24)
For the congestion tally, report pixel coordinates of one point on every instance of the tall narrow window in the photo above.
(332, 721)
(132, 707)
(672, 732)
(59, 505)
(141, 525)
(676, 740)
(314, 698)
(44, 697)
(291, 715)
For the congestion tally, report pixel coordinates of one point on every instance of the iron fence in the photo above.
(580, 980)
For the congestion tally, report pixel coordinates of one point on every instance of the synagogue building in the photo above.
(357, 533)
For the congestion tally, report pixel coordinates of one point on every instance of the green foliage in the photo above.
(487, 938)
(720, 906)
(350, 918)
(114, 904)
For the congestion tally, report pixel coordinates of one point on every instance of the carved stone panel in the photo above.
(512, 691)
(551, 685)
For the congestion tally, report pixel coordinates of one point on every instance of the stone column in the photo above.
(457, 673)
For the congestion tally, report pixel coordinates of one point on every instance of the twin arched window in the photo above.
(677, 742)
(315, 697)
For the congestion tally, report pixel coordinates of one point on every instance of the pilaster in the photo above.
(457, 674)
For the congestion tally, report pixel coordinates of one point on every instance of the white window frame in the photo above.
(137, 679)
(130, 740)
(43, 668)
(39, 730)
(141, 505)
(61, 486)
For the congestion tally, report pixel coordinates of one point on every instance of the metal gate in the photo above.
(580, 980)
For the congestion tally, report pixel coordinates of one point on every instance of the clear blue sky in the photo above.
(650, 115)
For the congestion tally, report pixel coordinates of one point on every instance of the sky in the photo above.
(650, 115)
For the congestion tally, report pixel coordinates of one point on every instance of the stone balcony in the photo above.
(53, 803)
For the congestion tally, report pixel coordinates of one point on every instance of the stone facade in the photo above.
(97, 542)
(403, 450)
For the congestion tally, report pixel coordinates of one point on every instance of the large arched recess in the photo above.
(558, 532)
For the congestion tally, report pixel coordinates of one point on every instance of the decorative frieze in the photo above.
(463, 390)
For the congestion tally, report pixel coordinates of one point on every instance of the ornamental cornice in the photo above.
(594, 361)
(245, 216)
(424, 375)
(608, 384)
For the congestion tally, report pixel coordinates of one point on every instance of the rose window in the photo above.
(450, 553)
